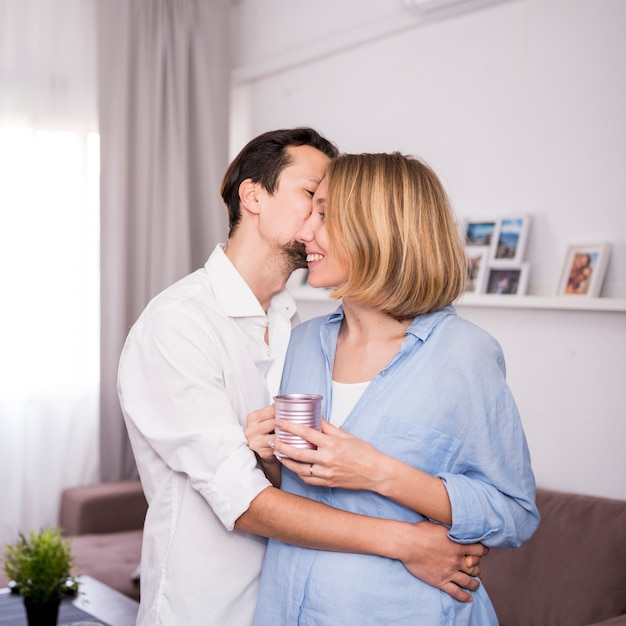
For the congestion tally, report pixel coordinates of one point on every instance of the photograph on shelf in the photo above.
(479, 232)
(584, 269)
(509, 240)
(507, 280)
(477, 265)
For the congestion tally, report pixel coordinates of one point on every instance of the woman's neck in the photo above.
(368, 340)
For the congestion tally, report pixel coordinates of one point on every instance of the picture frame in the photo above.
(509, 241)
(584, 269)
(479, 232)
(507, 280)
(477, 266)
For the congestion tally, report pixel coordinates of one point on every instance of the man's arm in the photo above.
(424, 548)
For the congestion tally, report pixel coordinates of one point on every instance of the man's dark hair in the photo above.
(262, 160)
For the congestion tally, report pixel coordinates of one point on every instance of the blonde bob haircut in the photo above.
(389, 217)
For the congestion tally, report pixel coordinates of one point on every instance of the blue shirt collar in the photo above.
(421, 327)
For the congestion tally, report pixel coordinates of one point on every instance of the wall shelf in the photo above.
(571, 303)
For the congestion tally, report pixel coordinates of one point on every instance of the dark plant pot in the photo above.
(42, 613)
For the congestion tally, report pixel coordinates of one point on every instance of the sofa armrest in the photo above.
(102, 508)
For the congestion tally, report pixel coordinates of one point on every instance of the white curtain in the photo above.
(49, 274)
(163, 106)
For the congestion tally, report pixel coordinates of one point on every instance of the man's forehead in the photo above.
(305, 162)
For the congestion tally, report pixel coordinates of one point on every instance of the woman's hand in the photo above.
(341, 460)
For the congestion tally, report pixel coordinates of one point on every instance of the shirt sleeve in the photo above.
(492, 489)
(493, 499)
(173, 389)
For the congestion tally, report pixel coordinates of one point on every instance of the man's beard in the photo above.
(294, 256)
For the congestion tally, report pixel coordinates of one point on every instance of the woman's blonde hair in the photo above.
(389, 215)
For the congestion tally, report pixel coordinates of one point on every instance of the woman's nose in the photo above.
(305, 233)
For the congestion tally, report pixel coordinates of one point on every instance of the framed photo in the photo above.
(479, 232)
(510, 237)
(508, 280)
(477, 264)
(584, 269)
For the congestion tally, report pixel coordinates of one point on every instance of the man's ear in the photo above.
(248, 196)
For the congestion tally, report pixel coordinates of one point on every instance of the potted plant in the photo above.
(39, 567)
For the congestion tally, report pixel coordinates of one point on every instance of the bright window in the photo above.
(49, 330)
(49, 257)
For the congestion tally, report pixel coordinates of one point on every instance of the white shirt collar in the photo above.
(233, 294)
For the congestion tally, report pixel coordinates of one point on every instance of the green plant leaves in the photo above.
(40, 564)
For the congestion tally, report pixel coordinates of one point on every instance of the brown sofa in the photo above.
(104, 522)
(572, 572)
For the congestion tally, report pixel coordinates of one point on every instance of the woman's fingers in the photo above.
(305, 432)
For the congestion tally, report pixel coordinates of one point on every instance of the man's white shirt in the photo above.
(194, 365)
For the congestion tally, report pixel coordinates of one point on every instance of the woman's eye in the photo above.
(311, 193)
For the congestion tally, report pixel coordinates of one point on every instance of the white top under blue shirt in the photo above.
(441, 405)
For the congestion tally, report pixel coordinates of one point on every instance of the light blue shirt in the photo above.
(441, 405)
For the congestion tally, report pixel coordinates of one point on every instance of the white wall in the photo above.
(520, 108)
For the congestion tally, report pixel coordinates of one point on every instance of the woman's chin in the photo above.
(320, 283)
(317, 284)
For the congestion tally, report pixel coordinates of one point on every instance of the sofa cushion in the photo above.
(572, 571)
(111, 558)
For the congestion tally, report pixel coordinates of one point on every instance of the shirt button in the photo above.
(383, 373)
(268, 353)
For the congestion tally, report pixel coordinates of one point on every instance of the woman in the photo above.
(422, 422)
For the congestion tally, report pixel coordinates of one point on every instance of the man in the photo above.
(206, 352)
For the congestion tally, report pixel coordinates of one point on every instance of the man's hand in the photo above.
(259, 433)
(432, 557)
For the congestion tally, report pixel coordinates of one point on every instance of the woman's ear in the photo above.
(248, 196)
